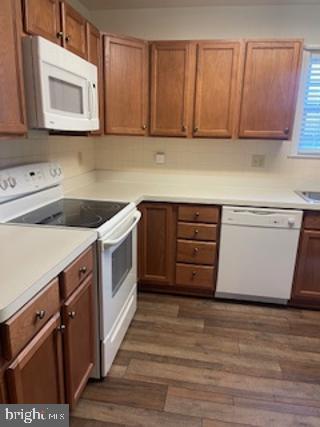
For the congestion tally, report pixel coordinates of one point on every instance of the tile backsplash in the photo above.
(76, 154)
(232, 159)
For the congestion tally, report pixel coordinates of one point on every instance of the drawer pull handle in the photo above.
(72, 314)
(41, 314)
(195, 251)
(83, 270)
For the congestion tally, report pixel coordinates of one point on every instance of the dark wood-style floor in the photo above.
(190, 362)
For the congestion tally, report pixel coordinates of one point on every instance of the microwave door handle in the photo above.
(94, 99)
(89, 100)
(110, 242)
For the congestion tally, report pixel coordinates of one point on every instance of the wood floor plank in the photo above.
(82, 422)
(233, 413)
(167, 322)
(146, 307)
(130, 416)
(215, 423)
(127, 392)
(226, 380)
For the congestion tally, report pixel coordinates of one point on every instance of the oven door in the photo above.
(117, 287)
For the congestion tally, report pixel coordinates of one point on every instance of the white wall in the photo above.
(211, 156)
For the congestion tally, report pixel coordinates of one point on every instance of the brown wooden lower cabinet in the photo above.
(79, 339)
(178, 248)
(36, 375)
(306, 289)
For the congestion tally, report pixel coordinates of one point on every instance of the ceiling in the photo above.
(140, 4)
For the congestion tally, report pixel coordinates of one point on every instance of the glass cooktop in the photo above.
(72, 213)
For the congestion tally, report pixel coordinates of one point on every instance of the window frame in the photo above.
(294, 153)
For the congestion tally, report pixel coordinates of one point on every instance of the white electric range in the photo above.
(33, 195)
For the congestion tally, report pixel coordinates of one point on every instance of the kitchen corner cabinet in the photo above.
(171, 88)
(156, 244)
(42, 18)
(95, 57)
(47, 347)
(178, 246)
(306, 288)
(269, 92)
(36, 375)
(12, 107)
(79, 340)
(126, 86)
(217, 89)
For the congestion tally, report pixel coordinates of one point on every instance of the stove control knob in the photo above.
(4, 185)
(291, 222)
(59, 171)
(53, 172)
(12, 181)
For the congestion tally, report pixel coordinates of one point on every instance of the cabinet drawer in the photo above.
(195, 275)
(195, 213)
(22, 327)
(311, 220)
(187, 230)
(196, 252)
(79, 270)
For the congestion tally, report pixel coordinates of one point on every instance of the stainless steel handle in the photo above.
(41, 314)
(113, 242)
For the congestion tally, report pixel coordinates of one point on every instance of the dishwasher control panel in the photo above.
(262, 217)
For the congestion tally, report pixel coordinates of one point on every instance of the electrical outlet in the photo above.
(258, 160)
(160, 158)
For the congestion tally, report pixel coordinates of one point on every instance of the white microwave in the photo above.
(61, 88)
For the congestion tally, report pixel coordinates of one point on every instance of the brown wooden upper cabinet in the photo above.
(95, 57)
(217, 87)
(12, 107)
(171, 89)
(42, 17)
(157, 230)
(126, 81)
(57, 21)
(270, 86)
(74, 28)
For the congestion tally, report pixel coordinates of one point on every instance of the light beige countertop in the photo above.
(31, 257)
(138, 187)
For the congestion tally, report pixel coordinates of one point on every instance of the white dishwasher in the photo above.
(258, 249)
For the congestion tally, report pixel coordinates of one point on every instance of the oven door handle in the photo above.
(114, 242)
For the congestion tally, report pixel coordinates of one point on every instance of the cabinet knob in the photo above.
(41, 314)
(184, 128)
(194, 273)
(67, 38)
(83, 270)
(195, 251)
(196, 129)
(59, 34)
(72, 314)
(144, 127)
(196, 214)
(286, 131)
(61, 328)
(196, 232)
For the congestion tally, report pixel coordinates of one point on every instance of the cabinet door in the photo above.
(12, 105)
(126, 79)
(170, 88)
(270, 88)
(216, 89)
(79, 339)
(157, 235)
(36, 375)
(74, 27)
(42, 18)
(95, 57)
(307, 281)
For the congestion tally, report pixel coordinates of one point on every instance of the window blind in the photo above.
(309, 138)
